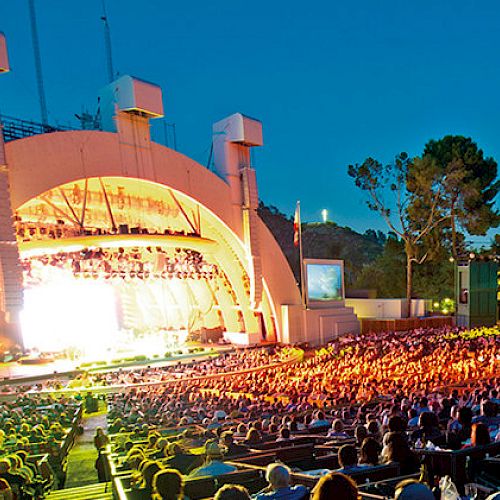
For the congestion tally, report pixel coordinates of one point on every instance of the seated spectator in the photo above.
(396, 424)
(360, 433)
(397, 449)
(348, 459)
(488, 416)
(16, 481)
(16, 467)
(160, 450)
(369, 452)
(462, 431)
(335, 486)
(214, 464)
(278, 477)
(57, 431)
(149, 471)
(116, 426)
(232, 492)
(283, 435)
(26, 469)
(253, 437)
(183, 461)
(128, 445)
(337, 430)
(152, 442)
(453, 424)
(373, 428)
(423, 406)
(6, 491)
(232, 449)
(412, 418)
(445, 413)
(241, 430)
(134, 457)
(168, 484)
(411, 489)
(428, 429)
(319, 420)
(273, 429)
(480, 436)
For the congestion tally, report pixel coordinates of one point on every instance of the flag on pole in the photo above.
(296, 226)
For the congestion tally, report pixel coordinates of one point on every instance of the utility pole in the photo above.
(107, 43)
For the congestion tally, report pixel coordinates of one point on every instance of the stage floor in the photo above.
(15, 372)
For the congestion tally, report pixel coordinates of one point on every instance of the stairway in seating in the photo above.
(98, 491)
(81, 459)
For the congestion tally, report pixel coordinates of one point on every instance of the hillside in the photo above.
(324, 241)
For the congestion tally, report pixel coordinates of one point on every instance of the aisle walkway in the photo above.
(81, 460)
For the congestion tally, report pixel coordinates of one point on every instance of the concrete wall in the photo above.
(386, 308)
(322, 325)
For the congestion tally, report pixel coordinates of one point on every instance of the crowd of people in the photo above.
(386, 394)
(376, 367)
(33, 427)
(214, 364)
(380, 397)
(351, 370)
(108, 263)
(35, 424)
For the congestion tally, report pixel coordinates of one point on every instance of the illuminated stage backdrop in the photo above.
(107, 259)
(114, 191)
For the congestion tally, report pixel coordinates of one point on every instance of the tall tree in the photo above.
(386, 273)
(415, 210)
(470, 186)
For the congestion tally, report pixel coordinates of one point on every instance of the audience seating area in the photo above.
(36, 435)
(377, 408)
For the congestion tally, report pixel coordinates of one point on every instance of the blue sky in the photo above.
(333, 82)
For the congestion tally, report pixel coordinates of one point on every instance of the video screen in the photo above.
(324, 282)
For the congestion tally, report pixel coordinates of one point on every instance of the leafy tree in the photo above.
(470, 186)
(415, 210)
(450, 190)
(386, 273)
(375, 236)
(370, 234)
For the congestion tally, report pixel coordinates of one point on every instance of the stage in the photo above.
(13, 372)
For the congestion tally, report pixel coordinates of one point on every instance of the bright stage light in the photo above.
(70, 314)
(105, 319)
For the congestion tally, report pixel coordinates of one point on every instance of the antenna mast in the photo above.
(38, 62)
(107, 42)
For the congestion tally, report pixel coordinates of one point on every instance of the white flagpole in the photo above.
(302, 284)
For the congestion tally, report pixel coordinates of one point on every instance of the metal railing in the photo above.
(16, 128)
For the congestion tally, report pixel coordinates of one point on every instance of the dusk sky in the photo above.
(333, 82)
